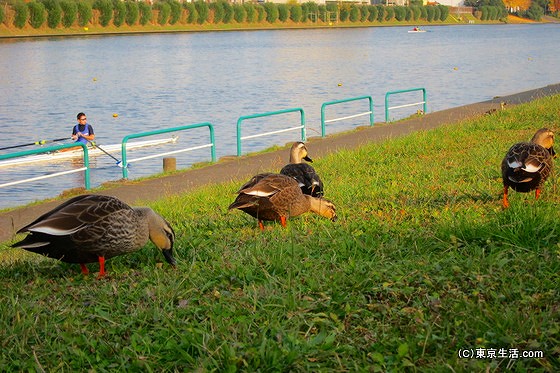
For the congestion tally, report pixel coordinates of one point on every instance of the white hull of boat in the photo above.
(92, 152)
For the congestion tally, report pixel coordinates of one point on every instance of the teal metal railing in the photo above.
(271, 113)
(323, 107)
(126, 162)
(423, 102)
(55, 148)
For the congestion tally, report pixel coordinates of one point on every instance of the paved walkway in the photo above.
(242, 168)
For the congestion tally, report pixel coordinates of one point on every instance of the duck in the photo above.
(304, 173)
(92, 228)
(527, 165)
(277, 197)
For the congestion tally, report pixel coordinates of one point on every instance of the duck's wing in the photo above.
(255, 179)
(74, 214)
(531, 158)
(307, 177)
(270, 185)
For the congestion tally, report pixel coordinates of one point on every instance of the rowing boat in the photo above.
(92, 151)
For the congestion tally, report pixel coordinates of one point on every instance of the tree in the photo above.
(203, 11)
(380, 13)
(218, 8)
(192, 14)
(105, 8)
(271, 10)
(145, 11)
(283, 12)
(251, 12)
(164, 12)
(372, 13)
(132, 12)
(239, 13)
(535, 12)
(354, 13)
(21, 14)
(36, 14)
(295, 13)
(444, 12)
(175, 15)
(84, 13)
(69, 12)
(54, 13)
(364, 13)
(119, 13)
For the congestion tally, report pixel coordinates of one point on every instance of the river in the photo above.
(135, 83)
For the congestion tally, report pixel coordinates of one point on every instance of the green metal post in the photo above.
(267, 114)
(166, 130)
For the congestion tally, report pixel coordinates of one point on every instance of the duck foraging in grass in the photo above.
(527, 165)
(304, 173)
(278, 197)
(91, 228)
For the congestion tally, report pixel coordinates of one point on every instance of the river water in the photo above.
(135, 83)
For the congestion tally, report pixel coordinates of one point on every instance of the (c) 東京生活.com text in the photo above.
(499, 353)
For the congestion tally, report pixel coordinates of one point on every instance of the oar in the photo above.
(119, 163)
(40, 142)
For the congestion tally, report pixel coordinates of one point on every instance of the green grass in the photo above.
(422, 262)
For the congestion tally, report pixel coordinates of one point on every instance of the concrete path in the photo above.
(242, 168)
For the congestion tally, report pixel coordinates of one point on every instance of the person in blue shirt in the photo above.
(82, 132)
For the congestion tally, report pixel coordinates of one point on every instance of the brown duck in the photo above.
(527, 165)
(91, 228)
(304, 173)
(278, 197)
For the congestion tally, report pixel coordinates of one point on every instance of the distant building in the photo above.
(453, 3)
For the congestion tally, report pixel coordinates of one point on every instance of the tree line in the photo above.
(69, 13)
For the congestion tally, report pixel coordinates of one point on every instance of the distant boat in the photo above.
(416, 29)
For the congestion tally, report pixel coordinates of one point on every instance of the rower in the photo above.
(82, 132)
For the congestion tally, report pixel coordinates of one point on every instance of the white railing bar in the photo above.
(349, 117)
(43, 177)
(272, 133)
(407, 105)
(168, 153)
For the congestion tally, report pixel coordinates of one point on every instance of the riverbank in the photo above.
(422, 268)
(29, 32)
(234, 168)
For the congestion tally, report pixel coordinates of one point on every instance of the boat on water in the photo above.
(416, 29)
(92, 152)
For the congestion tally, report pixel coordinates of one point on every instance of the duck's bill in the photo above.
(168, 254)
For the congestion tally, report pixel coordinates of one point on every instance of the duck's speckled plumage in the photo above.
(91, 228)
(304, 173)
(278, 197)
(527, 165)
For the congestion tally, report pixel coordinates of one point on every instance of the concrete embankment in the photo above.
(234, 168)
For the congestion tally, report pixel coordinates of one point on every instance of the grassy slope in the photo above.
(421, 263)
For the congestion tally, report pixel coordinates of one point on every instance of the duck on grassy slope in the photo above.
(304, 173)
(278, 197)
(527, 165)
(91, 228)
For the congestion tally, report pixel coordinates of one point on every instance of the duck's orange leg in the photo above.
(537, 193)
(101, 267)
(84, 269)
(261, 225)
(505, 200)
(283, 221)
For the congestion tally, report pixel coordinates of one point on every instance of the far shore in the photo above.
(29, 32)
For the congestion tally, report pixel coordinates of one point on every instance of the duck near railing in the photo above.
(53, 152)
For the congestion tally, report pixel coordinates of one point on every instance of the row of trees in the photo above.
(68, 13)
(536, 10)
